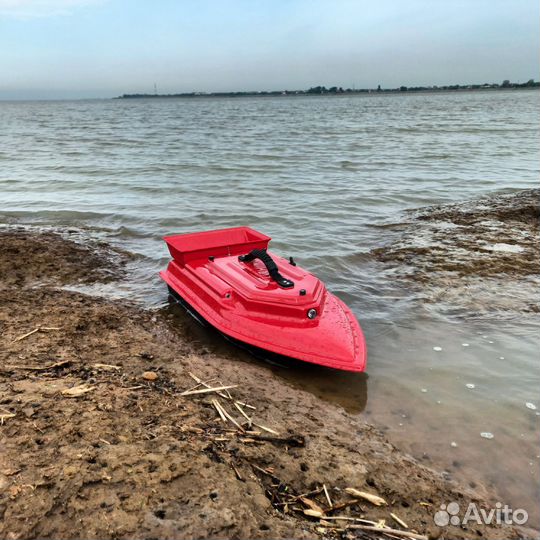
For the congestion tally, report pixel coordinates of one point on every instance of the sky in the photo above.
(104, 48)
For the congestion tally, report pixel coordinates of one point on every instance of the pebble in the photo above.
(470, 385)
(531, 406)
(4, 482)
(437, 349)
(487, 435)
(453, 444)
(149, 376)
(30, 411)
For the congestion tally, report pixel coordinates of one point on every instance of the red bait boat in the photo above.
(228, 278)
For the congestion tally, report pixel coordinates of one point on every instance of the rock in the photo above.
(149, 375)
(28, 412)
(4, 482)
(71, 470)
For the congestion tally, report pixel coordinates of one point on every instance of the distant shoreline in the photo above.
(335, 91)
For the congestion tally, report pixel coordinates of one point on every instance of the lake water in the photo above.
(322, 176)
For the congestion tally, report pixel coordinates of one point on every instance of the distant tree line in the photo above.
(334, 90)
(505, 84)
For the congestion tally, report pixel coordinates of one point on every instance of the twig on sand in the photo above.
(389, 531)
(77, 391)
(5, 415)
(310, 493)
(227, 393)
(221, 394)
(368, 525)
(373, 499)
(264, 428)
(247, 405)
(107, 366)
(313, 513)
(207, 390)
(398, 520)
(218, 409)
(26, 335)
(325, 527)
(312, 505)
(267, 472)
(61, 363)
(225, 415)
(237, 472)
(327, 495)
(205, 384)
(342, 505)
(242, 412)
(38, 329)
(347, 518)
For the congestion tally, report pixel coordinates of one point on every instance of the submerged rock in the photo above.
(477, 256)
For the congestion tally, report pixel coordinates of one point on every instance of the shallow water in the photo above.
(325, 177)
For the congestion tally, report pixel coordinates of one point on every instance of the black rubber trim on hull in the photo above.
(189, 308)
(261, 354)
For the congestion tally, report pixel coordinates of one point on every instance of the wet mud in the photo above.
(479, 257)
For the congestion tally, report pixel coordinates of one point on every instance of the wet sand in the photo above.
(92, 447)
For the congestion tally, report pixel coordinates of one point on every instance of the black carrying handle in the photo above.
(270, 264)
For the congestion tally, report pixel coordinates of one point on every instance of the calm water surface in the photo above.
(319, 175)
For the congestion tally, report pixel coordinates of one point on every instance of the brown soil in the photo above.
(131, 457)
(521, 207)
(28, 259)
(466, 248)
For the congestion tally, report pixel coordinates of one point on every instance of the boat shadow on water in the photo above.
(346, 389)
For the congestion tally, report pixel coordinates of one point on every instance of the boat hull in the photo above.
(241, 301)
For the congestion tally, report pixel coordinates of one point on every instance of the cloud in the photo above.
(27, 9)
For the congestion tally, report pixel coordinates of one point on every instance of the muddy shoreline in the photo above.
(96, 440)
(475, 258)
